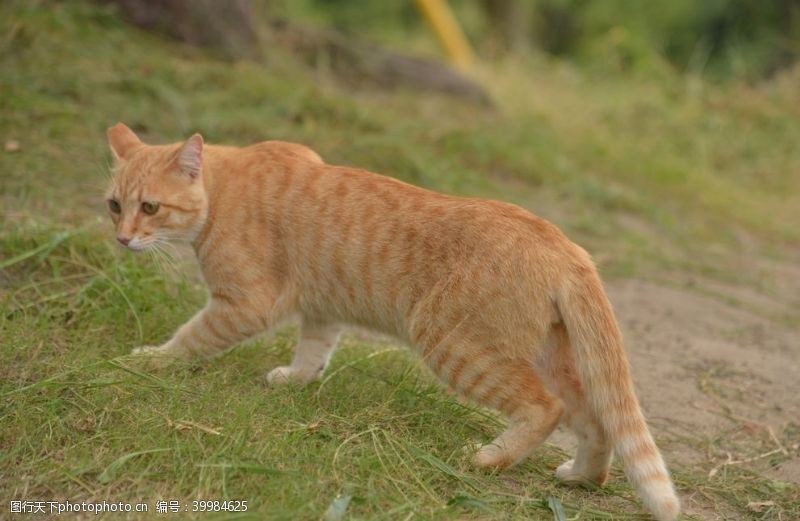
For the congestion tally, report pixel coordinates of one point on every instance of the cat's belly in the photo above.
(373, 314)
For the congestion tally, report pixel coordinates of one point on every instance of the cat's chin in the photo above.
(140, 248)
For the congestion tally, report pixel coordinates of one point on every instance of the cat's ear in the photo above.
(190, 157)
(122, 140)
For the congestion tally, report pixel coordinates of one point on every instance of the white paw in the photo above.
(145, 350)
(287, 375)
(158, 356)
(567, 473)
(564, 471)
(491, 456)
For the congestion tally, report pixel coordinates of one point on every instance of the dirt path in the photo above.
(715, 376)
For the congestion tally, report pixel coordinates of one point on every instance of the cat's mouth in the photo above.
(138, 245)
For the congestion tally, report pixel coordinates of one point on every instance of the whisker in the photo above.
(165, 257)
(155, 259)
(171, 249)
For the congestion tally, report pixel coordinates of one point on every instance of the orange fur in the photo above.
(499, 303)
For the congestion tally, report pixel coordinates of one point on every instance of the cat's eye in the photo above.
(114, 206)
(150, 207)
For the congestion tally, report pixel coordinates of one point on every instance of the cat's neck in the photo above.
(217, 161)
(214, 159)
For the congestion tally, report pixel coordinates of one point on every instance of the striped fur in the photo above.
(498, 302)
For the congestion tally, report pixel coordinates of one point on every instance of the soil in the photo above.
(717, 369)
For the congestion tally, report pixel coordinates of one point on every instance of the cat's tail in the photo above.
(604, 372)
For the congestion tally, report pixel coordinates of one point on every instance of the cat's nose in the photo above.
(124, 240)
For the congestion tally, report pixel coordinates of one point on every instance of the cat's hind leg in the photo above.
(311, 355)
(594, 454)
(593, 458)
(484, 375)
(532, 412)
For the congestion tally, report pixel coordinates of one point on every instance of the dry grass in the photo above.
(639, 171)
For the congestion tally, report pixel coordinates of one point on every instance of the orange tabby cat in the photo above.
(498, 302)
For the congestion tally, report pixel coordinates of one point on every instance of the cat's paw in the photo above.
(158, 356)
(567, 473)
(564, 472)
(287, 375)
(491, 457)
(145, 350)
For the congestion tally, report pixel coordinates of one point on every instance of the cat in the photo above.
(498, 302)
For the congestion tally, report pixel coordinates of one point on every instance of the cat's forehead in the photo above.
(141, 171)
(131, 176)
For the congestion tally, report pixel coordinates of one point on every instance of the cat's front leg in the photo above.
(314, 348)
(216, 328)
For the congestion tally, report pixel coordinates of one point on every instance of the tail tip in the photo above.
(667, 509)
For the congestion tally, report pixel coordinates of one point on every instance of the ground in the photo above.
(714, 377)
(686, 193)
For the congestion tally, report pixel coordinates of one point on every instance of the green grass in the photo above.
(649, 173)
(88, 422)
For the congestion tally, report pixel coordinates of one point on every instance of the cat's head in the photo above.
(157, 193)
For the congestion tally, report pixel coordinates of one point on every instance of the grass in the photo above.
(649, 173)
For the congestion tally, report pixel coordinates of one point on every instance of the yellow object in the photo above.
(449, 33)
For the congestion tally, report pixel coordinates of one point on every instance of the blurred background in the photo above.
(675, 123)
(663, 136)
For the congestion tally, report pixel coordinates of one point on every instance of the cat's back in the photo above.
(292, 183)
(284, 150)
(269, 155)
(259, 158)
(425, 218)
